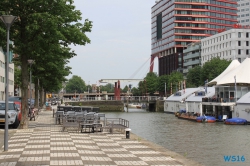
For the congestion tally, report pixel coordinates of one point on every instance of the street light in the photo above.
(30, 61)
(8, 20)
(88, 92)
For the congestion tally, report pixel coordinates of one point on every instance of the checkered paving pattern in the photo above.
(45, 144)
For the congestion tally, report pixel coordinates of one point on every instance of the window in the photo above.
(239, 51)
(239, 34)
(247, 51)
(247, 43)
(247, 35)
(239, 59)
(239, 43)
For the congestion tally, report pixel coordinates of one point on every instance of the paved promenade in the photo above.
(44, 144)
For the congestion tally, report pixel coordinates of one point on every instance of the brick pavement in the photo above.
(44, 144)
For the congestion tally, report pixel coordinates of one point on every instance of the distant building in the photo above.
(2, 76)
(243, 12)
(192, 57)
(229, 45)
(177, 23)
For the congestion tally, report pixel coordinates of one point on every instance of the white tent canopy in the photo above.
(241, 72)
(233, 65)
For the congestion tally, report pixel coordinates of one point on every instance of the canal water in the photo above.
(206, 143)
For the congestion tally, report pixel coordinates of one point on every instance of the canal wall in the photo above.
(159, 106)
(116, 106)
(105, 106)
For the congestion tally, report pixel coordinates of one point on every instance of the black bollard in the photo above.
(127, 133)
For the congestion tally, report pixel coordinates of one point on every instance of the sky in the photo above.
(120, 45)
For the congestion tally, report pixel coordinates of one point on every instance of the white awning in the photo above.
(241, 73)
(233, 65)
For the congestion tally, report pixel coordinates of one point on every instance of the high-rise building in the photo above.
(243, 12)
(177, 23)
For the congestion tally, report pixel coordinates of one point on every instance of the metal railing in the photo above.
(122, 98)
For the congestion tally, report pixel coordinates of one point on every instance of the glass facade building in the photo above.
(177, 23)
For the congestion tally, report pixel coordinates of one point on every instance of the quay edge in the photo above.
(183, 160)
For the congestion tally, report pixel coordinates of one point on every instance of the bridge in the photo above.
(135, 99)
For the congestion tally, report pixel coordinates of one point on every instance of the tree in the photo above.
(44, 30)
(213, 68)
(135, 91)
(175, 79)
(125, 89)
(75, 85)
(194, 77)
(210, 70)
(150, 82)
(108, 87)
(162, 80)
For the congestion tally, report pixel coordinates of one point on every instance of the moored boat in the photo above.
(235, 121)
(208, 119)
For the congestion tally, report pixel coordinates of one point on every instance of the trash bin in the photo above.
(127, 132)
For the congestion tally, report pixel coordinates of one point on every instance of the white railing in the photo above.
(122, 98)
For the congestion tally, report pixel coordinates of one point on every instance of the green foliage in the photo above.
(75, 85)
(162, 80)
(194, 77)
(136, 91)
(210, 70)
(125, 89)
(108, 87)
(213, 68)
(151, 83)
(43, 32)
(175, 78)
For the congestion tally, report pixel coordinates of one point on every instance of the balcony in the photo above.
(192, 48)
(190, 56)
(190, 63)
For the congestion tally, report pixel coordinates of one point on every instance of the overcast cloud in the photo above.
(120, 40)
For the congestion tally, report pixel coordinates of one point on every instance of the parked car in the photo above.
(15, 98)
(13, 114)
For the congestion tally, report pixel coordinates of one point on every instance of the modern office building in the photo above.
(243, 12)
(229, 45)
(177, 23)
(192, 57)
(2, 76)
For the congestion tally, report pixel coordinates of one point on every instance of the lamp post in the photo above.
(8, 20)
(30, 61)
(88, 92)
(165, 89)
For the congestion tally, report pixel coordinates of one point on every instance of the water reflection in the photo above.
(206, 143)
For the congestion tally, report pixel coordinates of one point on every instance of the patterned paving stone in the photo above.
(46, 145)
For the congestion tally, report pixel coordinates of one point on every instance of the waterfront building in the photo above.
(177, 101)
(194, 101)
(177, 23)
(229, 45)
(243, 107)
(230, 87)
(2, 76)
(227, 95)
(243, 12)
